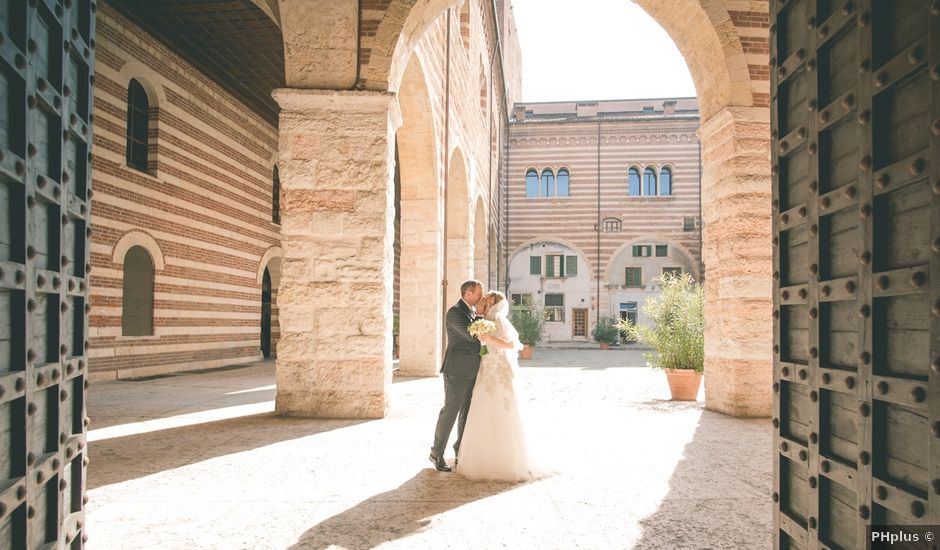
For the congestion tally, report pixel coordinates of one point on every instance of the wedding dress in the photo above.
(495, 445)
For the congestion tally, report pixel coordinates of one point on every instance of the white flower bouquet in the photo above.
(480, 327)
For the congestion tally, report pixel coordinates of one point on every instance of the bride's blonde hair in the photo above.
(496, 295)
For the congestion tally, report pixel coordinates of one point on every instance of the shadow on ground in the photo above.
(719, 492)
(124, 458)
(398, 513)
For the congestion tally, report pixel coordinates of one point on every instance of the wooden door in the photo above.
(856, 201)
(46, 68)
(579, 323)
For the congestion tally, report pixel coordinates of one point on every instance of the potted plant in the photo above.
(606, 332)
(529, 321)
(676, 333)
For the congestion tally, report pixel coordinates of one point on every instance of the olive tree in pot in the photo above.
(606, 332)
(529, 321)
(676, 333)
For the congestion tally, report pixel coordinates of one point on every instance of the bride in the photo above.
(494, 444)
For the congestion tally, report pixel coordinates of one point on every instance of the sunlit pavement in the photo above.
(200, 461)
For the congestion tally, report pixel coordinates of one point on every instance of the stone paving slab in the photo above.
(200, 461)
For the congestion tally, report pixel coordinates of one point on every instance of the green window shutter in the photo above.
(633, 277)
(571, 266)
(535, 265)
(636, 250)
(549, 266)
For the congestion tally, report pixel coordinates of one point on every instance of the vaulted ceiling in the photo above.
(235, 42)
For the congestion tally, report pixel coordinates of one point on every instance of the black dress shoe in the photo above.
(439, 463)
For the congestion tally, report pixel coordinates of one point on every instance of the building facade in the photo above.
(604, 197)
(187, 244)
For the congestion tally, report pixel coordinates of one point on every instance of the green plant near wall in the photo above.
(529, 321)
(676, 328)
(606, 331)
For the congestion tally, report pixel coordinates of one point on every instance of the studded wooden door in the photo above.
(46, 64)
(856, 158)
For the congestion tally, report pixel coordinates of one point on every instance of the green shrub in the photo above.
(529, 321)
(677, 325)
(606, 331)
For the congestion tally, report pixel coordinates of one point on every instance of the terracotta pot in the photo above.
(683, 383)
(526, 352)
(605, 345)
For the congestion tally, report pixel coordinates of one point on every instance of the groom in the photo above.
(461, 363)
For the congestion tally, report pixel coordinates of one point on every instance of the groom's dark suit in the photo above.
(461, 364)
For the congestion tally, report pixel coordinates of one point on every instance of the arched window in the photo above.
(548, 183)
(612, 225)
(649, 181)
(665, 181)
(138, 123)
(562, 183)
(634, 182)
(531, 183)
(137, 299)
(276, 197)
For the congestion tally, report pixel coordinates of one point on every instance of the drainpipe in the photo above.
(597, 310)
(446, 177)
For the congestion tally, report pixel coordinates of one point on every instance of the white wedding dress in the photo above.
(494, 445)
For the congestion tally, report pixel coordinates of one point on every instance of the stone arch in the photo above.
(420, 232)
(151, 80)
(684, 250)
(272, 261)
(457, 228)
(136, 237)
(550, 238)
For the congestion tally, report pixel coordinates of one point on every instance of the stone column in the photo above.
(337, 229)
(420, 322)
(737, 252)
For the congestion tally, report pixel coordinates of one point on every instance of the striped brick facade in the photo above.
(599, 221)
(203, 211)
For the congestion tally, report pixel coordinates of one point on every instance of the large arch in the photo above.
(457, 231)
(551, 238)
(683, 251)
(725, 47)
(733, 92)
(420, 229)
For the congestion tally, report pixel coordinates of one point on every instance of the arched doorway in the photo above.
(266, 314)
(419, 239)
(727, 60)
(459, 252)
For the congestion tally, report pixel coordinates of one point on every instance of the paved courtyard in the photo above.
(200, 461)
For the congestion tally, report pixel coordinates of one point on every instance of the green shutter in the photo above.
(535, 265)
(549, 266)
(571, 266)
(636, 250)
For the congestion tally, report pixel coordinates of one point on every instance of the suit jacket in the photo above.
(462, 357)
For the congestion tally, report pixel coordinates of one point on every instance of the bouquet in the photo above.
(481, 326)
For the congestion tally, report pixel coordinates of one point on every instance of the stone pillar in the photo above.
(737, 252)
(420, 318)
(337, 230)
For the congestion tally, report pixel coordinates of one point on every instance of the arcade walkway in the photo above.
(200, 461)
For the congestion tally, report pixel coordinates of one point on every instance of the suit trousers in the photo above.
(457, 393)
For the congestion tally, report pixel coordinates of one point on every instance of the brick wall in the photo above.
(205, 205)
